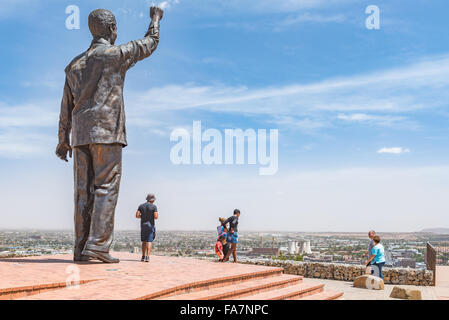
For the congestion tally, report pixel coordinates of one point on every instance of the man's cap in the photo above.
(151, 196)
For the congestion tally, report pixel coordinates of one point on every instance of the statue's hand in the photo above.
(156, 13)
(62, 149)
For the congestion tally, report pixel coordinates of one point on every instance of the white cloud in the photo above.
(383, 98)
(302, 124)
(269, 6)
(382, 120)
(312, 17)
(18, 144)
(39, 114)
(394, 150)
(167, 4)
(422, 85)
(22, 129)
(281, 24)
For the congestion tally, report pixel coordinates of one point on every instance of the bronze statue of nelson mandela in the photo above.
(92, 109)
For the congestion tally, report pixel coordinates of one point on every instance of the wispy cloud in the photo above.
(311, 18)
(395, 92)
(381, 120)
(303, 124)
(166, 4)
(18, 144)
(384, 98)
(39, 114)
(23, 127)
(395, 150)
(269, 6)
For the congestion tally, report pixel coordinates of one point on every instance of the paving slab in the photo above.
(129, 279)
(352, 293)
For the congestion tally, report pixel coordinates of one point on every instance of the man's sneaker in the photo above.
(147, 259)
(143, 259)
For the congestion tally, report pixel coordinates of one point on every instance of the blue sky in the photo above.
(338, 93)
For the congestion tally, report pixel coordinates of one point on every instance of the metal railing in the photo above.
(431, 260)
(442, 254)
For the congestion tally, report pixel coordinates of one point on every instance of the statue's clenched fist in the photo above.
(62, 149)
(156, 13)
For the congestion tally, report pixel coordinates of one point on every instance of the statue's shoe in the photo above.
(81, 258)
(102, 256)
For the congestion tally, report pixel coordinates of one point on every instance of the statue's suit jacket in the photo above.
(92, 105)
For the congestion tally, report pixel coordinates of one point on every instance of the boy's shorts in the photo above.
(235, 238)
(147, 233)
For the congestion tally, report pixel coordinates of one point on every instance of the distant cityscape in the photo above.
(402, 249)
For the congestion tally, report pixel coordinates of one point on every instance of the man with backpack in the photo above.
(233, 233)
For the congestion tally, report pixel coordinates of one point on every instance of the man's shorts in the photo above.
(235, 238)
(147, 232)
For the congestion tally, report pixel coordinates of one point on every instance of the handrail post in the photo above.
(431, 260)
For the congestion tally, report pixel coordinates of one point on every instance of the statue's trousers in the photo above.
(97, 170)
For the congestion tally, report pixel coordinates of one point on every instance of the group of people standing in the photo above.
(376, 254)
(226, 244)
(228, 237)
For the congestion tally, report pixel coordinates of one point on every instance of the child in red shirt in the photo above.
(219, 248)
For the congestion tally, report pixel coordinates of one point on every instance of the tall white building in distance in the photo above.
(299, 247)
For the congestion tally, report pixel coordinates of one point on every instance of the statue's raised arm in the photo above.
(137, 50)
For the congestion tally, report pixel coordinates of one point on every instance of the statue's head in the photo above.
(102, 24)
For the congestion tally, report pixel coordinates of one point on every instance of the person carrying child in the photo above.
(232, 234)
(219, 248)
(221, 227)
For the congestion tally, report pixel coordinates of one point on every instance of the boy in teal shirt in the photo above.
(377, 256)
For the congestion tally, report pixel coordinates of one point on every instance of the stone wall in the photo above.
(347, 272)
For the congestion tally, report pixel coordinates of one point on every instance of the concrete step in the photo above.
(288, 293)
(44, 277)
(242, 289)
(235, 281)
(24, 291)
(91, 290)
(324, 295)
